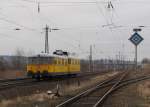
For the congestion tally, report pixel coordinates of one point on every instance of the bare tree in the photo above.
(146, 61)
(2, 64)
(19, 60)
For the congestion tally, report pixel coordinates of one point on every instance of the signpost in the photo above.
(136, 39)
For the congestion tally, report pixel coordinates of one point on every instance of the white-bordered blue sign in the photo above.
(136, 38)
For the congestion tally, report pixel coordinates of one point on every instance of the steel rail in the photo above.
(15, 79)
(110, 90)
(8, 83)
(87, 92)
(123, 83)
(25, 78)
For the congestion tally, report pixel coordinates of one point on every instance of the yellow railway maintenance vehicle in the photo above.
(45, 66)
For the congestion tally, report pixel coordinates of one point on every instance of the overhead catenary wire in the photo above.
(84, 2)
(61, 3)
(67, 3)
(3, 35)
(17, 24)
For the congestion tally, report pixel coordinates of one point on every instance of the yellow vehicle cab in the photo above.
(44, 66)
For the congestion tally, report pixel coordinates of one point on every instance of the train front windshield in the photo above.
(39, 60)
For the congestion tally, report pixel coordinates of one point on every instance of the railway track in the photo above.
(5, 84)
(96, 96)
(81, 98)
(10, 83)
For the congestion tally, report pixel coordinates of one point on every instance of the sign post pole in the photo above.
(136, 39)
(136, 58)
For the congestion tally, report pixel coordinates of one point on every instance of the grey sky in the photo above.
(80, 25)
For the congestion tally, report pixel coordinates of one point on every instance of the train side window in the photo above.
(69, 61)
(62, 61)
(59, 61)
(66, 61)
(55, 61)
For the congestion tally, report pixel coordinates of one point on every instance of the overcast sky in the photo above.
(81, 24)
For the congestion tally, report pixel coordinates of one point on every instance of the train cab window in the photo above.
(33, 60)
(50, 59)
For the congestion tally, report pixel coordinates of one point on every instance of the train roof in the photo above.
(52, 55)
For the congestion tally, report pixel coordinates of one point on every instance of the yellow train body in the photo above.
(51, 66)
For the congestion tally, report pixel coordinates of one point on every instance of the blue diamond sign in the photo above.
(136, 39)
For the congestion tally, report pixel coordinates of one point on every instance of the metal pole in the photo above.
(46, 39)
(135, 57)
(90, 58)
